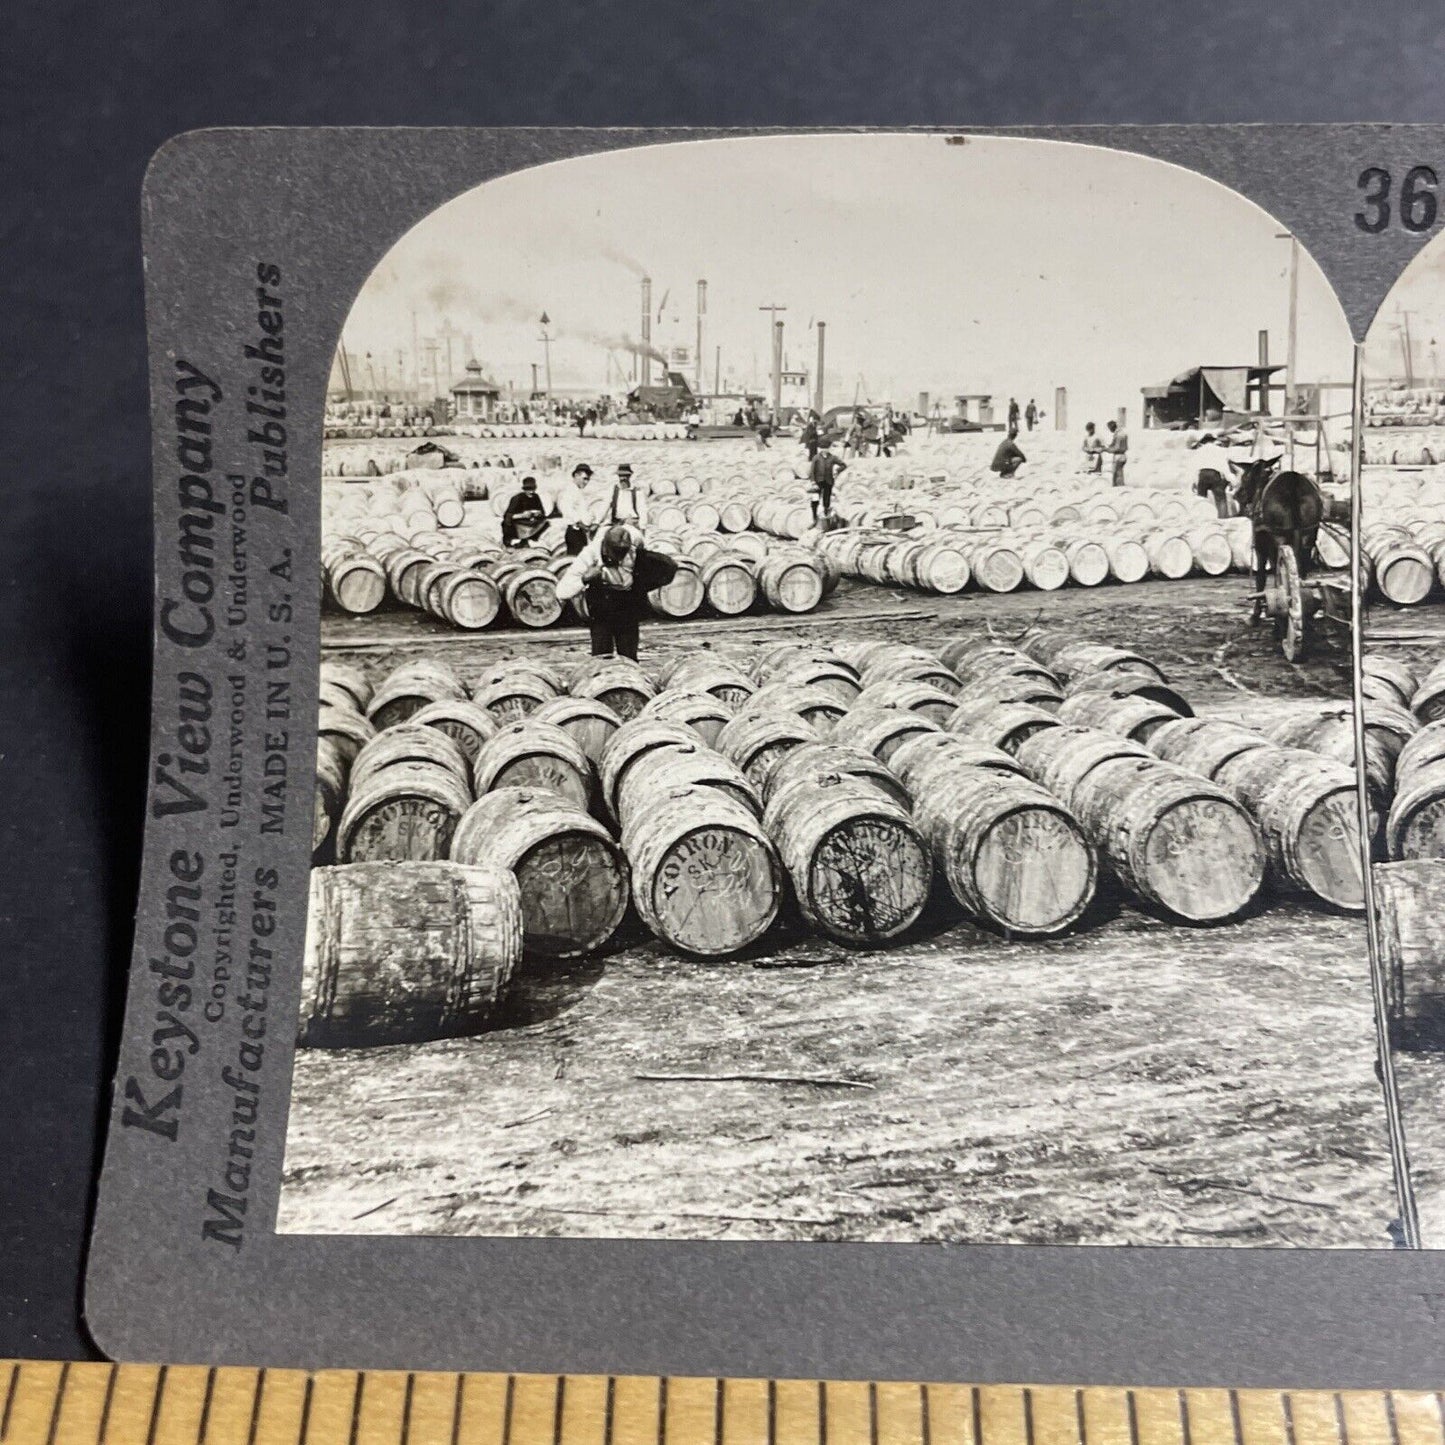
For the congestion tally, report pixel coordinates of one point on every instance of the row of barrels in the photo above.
(1403, 707)
(1405, 559)
(947, 561)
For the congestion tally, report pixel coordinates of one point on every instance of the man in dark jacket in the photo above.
(616, 572)
(823, 473)
(1008, 458)
(525, 518)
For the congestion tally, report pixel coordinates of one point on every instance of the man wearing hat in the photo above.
(525, 518)
(578, 505)
(616, 572)
(628, 505)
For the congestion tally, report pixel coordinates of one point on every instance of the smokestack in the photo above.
(777, 370)
(818, 379)
(647, 331)
(701, 312)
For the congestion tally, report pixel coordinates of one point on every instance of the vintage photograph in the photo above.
(1402, 512)
(836, 711)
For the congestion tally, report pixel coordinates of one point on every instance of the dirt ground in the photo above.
(1134, 1082)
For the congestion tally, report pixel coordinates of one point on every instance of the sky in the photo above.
(1001, 265)
(1415, 305)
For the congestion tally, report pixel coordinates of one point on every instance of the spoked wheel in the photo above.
(1290, 627)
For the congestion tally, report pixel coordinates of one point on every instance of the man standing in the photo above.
(823, 472)
(628, 505)
(608, 571)
(1009, 457)
(577, 505)
(525, 518)
(1031, 413)
(1013, 416)
(1118, 448)
(810, 435)
(1093, 449)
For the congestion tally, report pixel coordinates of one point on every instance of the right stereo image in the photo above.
(1402, 705)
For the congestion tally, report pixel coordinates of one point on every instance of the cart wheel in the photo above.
(1289, 624)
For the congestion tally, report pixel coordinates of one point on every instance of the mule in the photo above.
(1285, 509)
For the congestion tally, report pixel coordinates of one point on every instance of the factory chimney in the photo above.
(818, 378)
(701, 312)
(647, 331)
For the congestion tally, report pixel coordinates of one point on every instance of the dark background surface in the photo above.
(93, 90)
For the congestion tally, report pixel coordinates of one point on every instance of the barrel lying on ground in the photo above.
(407, 790)
(705, 876)
(371, 976)
(860, 868)
(571, 875)
(535, 755)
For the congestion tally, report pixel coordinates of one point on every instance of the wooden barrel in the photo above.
(464, 597)
(405, 812)
(930, 702)
(1388, 680)
(531, 597)
(356, 583)
(1046, 566)
(808, 762)
(1332, 733)
(1173, 838)
(408, 743)
(352, 679)
(347, 730)
(683, 596)
(1411, 901)
(405, 568)
(1427, 701)
(730, 587)
(373, 974)
(663, 770)
(1213, 555)
(571, 876)
(758, 742)
(1131, 684)
(632, 741)
(1415, 827)
(1134, 717)
(791, 582)
(1067, 657)
(512, 694)
(789, 662)
(588, 722)
(1423, 750)
(1170, 555)
(535, 755)
(1308, 815)
(1004, 725)
(701, 711)
(1059, 758)
(705, 876)
(916, 760)
(329, 791)
(860, 868)
(903, 668)
(618, 683)
(1011, 853)
(1128, 558)
(467, 724)
(408, 689)
(1016, 687)
(735, 516)
(942, 566)
(1088, 561)
(996, 567)
(816, 704)
(696, 672)
(881, 730)
(1204, 745)
(1404, 572)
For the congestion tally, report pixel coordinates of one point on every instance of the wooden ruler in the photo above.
(46, 1403)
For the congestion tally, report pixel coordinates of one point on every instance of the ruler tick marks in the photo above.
(1340, 1425)
(977, 1416)
(457, 1409)
(306, 1409)
(872, 1412)
(772, 1412)
(356, 1395)
(59, 1401)
(1186, 1430)
(608, 1406)
(822, 1412)
(1286, 1406)
(662, 1411)
(1028, 1416)
(406, 1407)
(507, 1410)
(1234, 1421)
(155, 1419)
(559, 1403)
(719, 1412)
(1079, 1427)
(1391, 1418)
(205, 1425)
(1133, 1417)
(105, 1406)
(256, 1406)
(925, 1416)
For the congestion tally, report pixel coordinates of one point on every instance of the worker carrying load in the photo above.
(616, 572)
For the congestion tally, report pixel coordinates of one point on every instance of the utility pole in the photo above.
(701, 312)
(415, 361)
(1292, 338)
(717, 371)
(773, 308)
(818, 379)
(547, 353)
(1409, 349)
